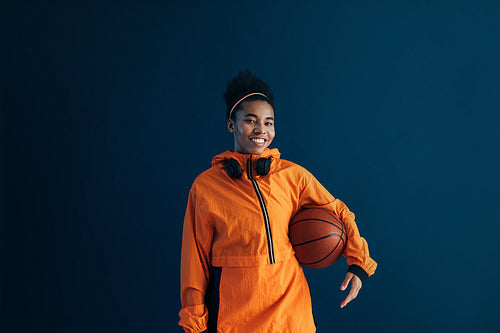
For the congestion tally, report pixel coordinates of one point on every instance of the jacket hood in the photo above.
(242, 158)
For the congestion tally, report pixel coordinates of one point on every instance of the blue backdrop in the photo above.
(109, 112)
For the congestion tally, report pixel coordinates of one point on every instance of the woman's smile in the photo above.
(258, 141)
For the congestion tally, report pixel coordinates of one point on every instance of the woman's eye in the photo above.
(269, 124)
(250, 121)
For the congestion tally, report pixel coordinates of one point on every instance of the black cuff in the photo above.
(358, 271)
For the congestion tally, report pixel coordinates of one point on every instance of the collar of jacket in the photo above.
(219, 160)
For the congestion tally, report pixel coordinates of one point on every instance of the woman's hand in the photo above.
(355, 286)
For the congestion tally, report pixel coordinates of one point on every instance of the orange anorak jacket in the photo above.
(241, 269)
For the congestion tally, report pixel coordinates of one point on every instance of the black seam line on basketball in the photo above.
(331, 214)
(344, 231)
(264, 211)
(317, 239)
(326, 211)
(304, 220)
(315, 262)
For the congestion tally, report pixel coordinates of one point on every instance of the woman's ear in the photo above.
(230, 125)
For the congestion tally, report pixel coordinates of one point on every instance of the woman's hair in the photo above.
(241, 85)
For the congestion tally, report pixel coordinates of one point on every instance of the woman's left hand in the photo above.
(355, 286)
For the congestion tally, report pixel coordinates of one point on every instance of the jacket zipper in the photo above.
(264, 211)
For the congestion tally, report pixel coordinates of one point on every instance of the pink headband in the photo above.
(234, 106)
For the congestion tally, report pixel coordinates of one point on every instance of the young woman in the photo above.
(238, 269)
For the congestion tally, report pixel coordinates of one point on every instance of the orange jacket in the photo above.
(258, 287)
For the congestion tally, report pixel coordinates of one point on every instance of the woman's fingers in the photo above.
(355, 287)
(348, 278)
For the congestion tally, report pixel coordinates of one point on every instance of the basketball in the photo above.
(318, 237)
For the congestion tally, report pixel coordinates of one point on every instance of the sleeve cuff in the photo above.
(358, 271)
(194, 318)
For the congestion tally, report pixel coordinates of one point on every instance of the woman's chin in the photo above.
(253, 149)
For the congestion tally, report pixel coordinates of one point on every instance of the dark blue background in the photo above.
(109, 112)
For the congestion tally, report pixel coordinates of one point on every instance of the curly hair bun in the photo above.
(243, 84)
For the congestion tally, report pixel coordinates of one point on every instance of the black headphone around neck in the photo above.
(234, 170)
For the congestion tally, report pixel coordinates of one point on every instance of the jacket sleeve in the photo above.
(356, 251)
(195, 266)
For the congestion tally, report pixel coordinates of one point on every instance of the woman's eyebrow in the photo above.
(253, 115)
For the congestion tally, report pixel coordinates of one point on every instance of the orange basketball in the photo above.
(318, 237)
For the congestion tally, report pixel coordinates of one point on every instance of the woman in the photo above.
(238, 269)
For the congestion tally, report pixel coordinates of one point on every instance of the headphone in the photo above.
(234, 170)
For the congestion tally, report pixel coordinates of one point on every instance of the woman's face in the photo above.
(253, 127)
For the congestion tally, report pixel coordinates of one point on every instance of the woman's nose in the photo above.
(258, 129)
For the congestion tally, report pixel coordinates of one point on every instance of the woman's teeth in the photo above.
(257, 140)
